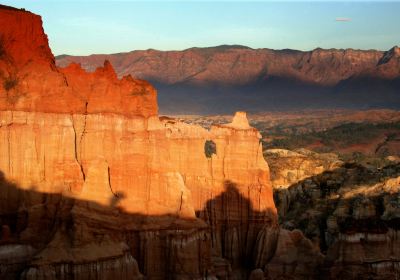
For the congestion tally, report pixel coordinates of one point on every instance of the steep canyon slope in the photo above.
(94, 185)
(350, 211)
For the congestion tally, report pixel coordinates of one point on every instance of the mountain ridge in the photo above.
(228, 78)
(265, 55)
(231, 46)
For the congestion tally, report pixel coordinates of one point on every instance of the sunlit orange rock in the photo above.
(103, 92)
(30, 80)
(155, 172)
(93, 183)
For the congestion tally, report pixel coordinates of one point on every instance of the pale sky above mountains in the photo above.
(86, 27)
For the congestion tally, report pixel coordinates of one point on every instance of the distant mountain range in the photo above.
(227, 78)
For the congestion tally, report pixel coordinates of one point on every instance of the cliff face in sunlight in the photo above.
(30, 81)
(137, 174)
(94, 185)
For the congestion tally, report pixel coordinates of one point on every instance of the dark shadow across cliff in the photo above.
(235, 225)
(29, 217)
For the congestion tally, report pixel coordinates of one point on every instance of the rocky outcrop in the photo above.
(364, 233)
(290, 167)
(94, 185)
(291, 172)
(347, 210)
(286, 254)
(295, 257)
(143, 178)
(30, 81)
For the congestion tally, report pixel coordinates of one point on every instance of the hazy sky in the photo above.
(85, 27)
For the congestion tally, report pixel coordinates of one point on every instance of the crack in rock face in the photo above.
(94, 185)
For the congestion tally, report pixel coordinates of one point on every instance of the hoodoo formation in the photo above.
(94, 185)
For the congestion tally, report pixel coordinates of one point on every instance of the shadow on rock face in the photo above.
(352, 213)
(234, 225)
(59, 236)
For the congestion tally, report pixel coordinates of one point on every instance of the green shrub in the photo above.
(210, 148)
(10, 83)
(139, 92)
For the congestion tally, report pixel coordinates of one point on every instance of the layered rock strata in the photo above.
(32, 82)
(350, 211)
(93, 184)
(135, 180)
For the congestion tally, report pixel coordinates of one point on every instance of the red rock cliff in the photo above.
(30, 81)
(95, 185)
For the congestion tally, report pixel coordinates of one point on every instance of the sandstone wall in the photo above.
(30, 80)
(135, 178)
(93, 184)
